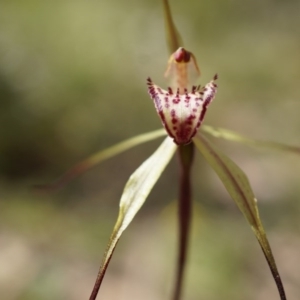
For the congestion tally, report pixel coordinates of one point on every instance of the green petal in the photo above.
(237, 185)
(235, 137)
(135, 193)
(174, 40)
(100, 156)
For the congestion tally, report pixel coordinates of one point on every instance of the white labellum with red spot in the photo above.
(182, 113)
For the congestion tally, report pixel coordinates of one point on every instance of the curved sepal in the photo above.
(134, 195)
(173, 38)
(238, 187)
(98, 157)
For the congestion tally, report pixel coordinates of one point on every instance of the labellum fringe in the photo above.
(182, 111)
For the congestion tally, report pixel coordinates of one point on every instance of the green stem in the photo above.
(186, 154)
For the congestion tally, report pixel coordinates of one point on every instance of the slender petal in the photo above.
(135, 193)
(95, 159)
(236, 137)
(237, 185)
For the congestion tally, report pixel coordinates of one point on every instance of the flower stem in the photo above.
(186, 154)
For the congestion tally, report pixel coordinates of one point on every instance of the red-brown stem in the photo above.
(186, 154)
(99, 279)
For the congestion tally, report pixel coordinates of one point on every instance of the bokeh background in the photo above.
(72, 82)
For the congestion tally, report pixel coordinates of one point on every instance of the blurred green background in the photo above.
(73, 81)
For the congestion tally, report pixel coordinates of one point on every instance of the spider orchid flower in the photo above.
(181, 108)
